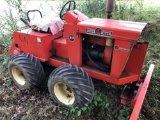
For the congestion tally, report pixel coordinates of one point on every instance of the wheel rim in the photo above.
(18, 75)
(64, 93)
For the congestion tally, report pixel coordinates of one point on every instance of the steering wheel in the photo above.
(67, 7)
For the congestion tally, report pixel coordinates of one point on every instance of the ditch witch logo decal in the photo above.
(122, 49)
(98, 31)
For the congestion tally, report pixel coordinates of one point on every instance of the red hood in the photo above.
(125, 30)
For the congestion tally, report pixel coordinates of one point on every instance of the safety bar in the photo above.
(33, 11)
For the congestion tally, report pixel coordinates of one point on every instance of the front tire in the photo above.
(25, 70)
(71, 85)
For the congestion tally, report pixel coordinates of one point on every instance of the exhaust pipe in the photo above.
(109, 8)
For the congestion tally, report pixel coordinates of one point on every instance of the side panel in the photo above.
(74, 44)
(36, 43)
(136, 59)
(60, 48)
(120, 57)
(29, 44)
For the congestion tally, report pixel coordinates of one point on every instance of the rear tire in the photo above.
(71, 85)
(25, 70)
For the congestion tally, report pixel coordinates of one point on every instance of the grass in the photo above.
(37, 104)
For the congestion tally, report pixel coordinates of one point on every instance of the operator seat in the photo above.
(47, 25)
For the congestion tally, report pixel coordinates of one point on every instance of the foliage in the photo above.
(24, 105)
(123, 10)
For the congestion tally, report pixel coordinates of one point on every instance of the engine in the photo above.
(97, 51)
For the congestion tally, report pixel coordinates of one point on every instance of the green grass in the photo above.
(37, 104)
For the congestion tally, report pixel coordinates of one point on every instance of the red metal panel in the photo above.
(99, 75)
(120, 29)
(55, 62)
(27, 41)
(121, 54)
(75, 16)
(136, 59)
(100, 41)
(141, 95)
(107, 55)
(74, 46)
(128, 79)
(60, 47)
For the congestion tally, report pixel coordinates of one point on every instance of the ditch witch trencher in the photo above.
(81, 48)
